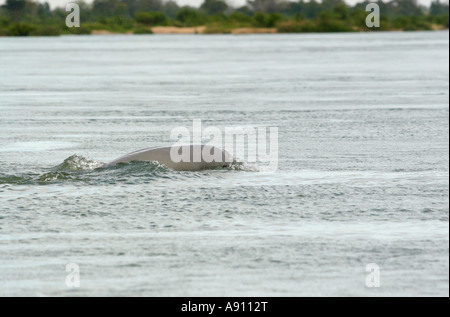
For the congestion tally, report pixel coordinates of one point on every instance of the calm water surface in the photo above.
(363, 165)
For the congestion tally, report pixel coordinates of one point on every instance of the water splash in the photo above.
(140, 168)
(240, 165)
(53, 177)
(77, 168)
(77, 163)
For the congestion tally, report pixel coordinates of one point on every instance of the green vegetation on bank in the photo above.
(28, 18)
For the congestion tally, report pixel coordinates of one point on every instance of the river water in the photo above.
(363, 154)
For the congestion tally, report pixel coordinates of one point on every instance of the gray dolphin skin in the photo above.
(163, 156)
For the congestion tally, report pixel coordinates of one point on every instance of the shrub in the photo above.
(214, 6)
(297, 27)
(273, 19)
(340, 11)
(141, 31)
(290, 27)
(20, 29)
(190, 17)
(260, 19)
(327, 23)
(79, 31)
(240, 17)
(266, 20)
(219, 18)
(216, 29)
(4, 21)
(443, 20)
(150, 18)
(46, 31)
(411, 23)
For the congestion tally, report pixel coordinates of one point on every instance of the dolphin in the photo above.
(168, 156)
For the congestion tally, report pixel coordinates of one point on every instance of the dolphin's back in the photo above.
(163, 156)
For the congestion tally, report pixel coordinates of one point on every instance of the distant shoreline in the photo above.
(193, 30)
(31, 18)
(201, 30)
